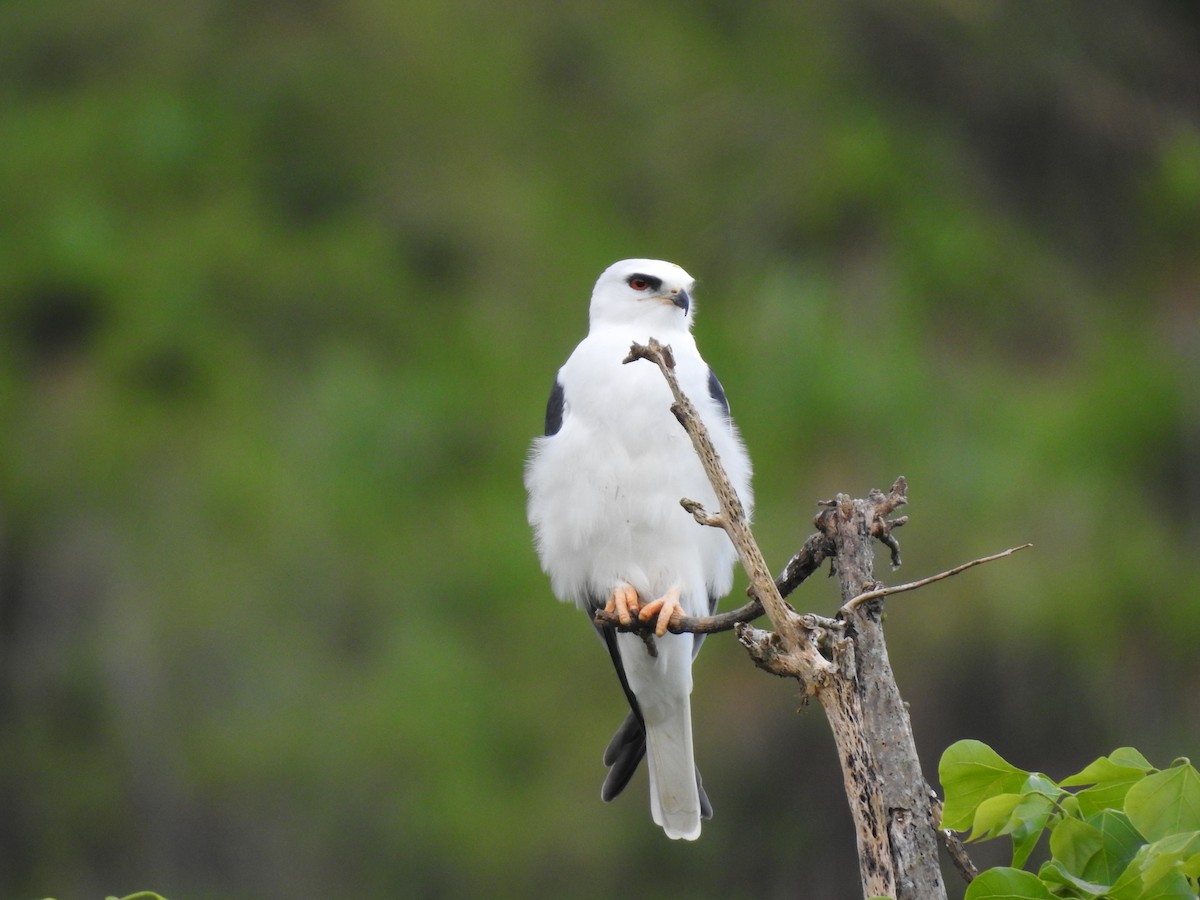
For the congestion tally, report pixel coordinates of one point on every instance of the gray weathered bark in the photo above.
(912, 830)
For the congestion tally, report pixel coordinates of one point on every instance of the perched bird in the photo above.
(604, 486)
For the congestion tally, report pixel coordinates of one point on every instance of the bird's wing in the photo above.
(556, 405)
(717, 392)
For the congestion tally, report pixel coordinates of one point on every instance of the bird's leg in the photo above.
(623, 601)
(666, 608)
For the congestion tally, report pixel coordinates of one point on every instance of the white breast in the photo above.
(605, 490)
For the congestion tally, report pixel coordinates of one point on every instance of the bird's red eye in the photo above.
(640, 281)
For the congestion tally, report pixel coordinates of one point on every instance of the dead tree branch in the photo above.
(806, 561)
(803, 564)
(794, 648)
(842, 661)
(911, 832)
(732, 517)
(881, 591)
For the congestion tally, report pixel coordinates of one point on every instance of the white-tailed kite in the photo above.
(604, 487)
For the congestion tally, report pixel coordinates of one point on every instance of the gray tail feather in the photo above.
(625, 752)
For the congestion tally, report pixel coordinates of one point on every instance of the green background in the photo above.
(283, 287)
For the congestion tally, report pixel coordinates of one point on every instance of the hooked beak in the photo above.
(681, 299)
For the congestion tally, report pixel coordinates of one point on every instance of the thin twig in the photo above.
(786, 582)
(913, 585)
(686, 624)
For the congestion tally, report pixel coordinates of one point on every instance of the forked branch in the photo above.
(842, 661)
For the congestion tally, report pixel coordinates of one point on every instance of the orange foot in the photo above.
(667, 609)
(624, 602)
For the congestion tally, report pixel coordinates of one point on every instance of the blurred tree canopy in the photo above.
(283, 287)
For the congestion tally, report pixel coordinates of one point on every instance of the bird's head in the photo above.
(647, 291)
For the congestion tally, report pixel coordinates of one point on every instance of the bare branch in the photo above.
(807, 560)
(881, 591)
(798, 568)
(958, 854)
(793, 648)
(732, 516)
(685, 624)
(842, 662)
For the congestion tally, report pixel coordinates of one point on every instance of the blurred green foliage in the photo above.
(283, 287)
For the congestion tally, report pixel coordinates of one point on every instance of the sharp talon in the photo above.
(623, 602)
(666, 608)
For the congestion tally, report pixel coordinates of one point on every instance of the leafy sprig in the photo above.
(1131, 831)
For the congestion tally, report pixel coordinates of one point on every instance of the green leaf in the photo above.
(1160, 870)
(1023, 816)
(1130, 756)
(1053, 873)
(1123, 764)
(1040, 784)
(1023, 845)
(1120, 844)
(1179, 852)
(1069, 804)
(1166, 802)
(1173, 887)
(1007, 884)
(1129, 886)
(1110, 778)
(1092, 855)
(993, 817)
(1074, 843)
(1028, 821)
(972, 772)
(1103, 796)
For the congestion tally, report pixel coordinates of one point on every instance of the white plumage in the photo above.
(604, 486)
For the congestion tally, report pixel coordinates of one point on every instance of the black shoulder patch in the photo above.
(717, 392)
(554, 409)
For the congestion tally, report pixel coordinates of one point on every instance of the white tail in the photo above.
(674, 797)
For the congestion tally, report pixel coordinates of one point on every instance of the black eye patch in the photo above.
(640, 282)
